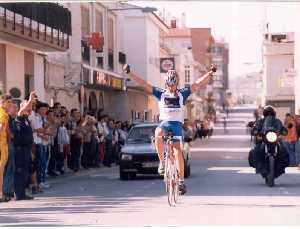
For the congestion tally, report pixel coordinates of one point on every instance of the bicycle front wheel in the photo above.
(171, 183)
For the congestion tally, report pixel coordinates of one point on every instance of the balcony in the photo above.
(40, 26)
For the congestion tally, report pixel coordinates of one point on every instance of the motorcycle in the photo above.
(274, 154)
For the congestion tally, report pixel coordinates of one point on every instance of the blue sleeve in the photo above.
(185, 92)
(157, 92)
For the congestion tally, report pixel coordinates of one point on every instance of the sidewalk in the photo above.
(69, 175)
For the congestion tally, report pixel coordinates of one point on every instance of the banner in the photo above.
(167, 64)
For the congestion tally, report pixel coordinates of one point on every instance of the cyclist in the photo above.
(171, 104)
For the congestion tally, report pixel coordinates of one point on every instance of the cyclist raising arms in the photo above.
(171, 104)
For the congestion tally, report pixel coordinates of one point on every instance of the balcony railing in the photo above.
(43, 23)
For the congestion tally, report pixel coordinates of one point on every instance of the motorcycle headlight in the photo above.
(271, 137)
(126, 157)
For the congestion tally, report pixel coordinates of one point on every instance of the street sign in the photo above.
(167, 64)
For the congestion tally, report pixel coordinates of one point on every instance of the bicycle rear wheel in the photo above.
(176, 183)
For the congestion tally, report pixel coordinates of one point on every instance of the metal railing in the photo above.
(31, 28)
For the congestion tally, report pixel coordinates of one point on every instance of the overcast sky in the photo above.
(241, 24)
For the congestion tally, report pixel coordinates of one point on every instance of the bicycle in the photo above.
(171, 176)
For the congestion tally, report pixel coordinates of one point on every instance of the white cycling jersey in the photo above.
(171, 105)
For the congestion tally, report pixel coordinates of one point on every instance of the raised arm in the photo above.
(137, 79)
(204, 80)
(28, 104)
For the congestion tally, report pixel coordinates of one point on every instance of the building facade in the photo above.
(25, 41)
(278, 73)
(220, 58)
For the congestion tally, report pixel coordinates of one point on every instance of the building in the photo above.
(220, 58)
(252, 94)
(297, 64)
(26, 39)
(90, 72)
(278, 73)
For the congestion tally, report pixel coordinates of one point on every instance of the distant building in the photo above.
(220, 58)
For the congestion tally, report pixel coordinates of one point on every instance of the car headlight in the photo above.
(271, 137)
(126, 157)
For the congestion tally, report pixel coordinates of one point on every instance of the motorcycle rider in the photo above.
(259, 162)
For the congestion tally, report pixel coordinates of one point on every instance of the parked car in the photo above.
(138, 155)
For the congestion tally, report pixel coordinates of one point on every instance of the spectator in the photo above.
(75, 139)
(102, 133)
(5, 104)
(63, 140)
(23, 141)
(211, 127)
(52, 132)
(89, 130)
(109, 145)
(38, 122)
(291, 138)
(8, 182)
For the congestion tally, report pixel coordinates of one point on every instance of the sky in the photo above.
(241, 24)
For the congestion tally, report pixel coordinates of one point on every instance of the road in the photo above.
(223, 190)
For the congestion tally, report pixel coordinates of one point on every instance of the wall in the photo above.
(2, 67)
(201, 38)
(278, 57)
(75, 39)
(119, 104)
(135, 37)
(39, 76)
(297, 62)
(15, 68)
(153, 53)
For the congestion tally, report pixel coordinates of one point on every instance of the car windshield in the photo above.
(141, 134)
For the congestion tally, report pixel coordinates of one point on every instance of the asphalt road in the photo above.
(222, 190)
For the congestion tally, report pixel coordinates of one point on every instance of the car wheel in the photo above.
(123, 175)
(132, 175)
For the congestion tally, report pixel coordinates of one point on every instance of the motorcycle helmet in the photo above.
(269, 111)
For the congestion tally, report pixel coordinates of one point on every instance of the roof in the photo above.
(179, 32)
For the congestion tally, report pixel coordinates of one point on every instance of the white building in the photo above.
(297, 62)
(278, 73)
(141, 33)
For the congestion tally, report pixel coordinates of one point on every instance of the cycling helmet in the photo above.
(269, 111)
(172, 78)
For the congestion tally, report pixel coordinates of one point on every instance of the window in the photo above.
(99, 22)
(29, 84)
(85, 22)
(187, 74)
(110, 60)
(85, 51)
(110, 44)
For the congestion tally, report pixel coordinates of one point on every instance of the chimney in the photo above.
(183, 20)
(173, 23)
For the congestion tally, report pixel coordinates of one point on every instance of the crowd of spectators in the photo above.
(38, 141)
